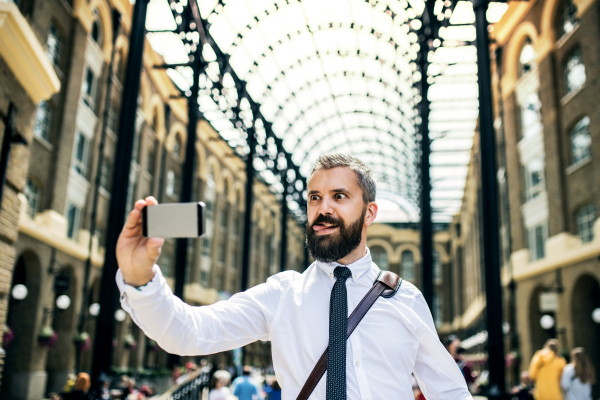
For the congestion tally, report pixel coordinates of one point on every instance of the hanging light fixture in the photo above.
(19, 292)
(63, 302)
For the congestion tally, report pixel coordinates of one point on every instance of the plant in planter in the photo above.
(8, 336)
(47, 337)
(82, 341)
(130, 342)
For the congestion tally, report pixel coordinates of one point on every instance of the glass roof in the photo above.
(341, 76)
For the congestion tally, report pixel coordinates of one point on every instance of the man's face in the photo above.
(337, 214)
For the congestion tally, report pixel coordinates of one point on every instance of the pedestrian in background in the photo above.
(273, 391)
(245, 389)
(546, 369)
(578, 377)
(220, 390)
(525, 390)
(81, 389)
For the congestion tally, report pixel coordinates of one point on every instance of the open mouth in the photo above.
(324, 227)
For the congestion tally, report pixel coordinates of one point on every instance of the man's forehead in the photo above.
(340, 177)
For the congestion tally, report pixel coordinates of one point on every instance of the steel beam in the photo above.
(105, 325)
(489, 204)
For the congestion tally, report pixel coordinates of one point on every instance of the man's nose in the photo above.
(326, 207)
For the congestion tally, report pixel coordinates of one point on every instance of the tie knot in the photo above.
(342, 272)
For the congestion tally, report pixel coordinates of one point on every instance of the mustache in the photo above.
(327, 219)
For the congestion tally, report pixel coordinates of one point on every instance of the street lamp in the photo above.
(63, 302)
(19, 292)
(94, 309)
(547, 322)
(120, 315)
(596, 315)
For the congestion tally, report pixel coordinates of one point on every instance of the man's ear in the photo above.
(371, 213)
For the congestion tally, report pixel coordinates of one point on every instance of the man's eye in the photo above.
(314, 197)
(340, 196)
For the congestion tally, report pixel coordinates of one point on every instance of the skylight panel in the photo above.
(222, 32)
(463, 13)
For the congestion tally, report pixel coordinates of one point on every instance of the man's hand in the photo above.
(136, 254)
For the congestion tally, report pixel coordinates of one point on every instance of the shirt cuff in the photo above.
(146, 290)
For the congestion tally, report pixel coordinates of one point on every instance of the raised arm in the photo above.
(175, 326)
(185, 330)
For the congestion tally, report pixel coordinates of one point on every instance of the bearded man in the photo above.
(300, 313)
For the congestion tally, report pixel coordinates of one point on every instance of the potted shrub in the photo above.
(47, 337)
(82, 341)
(7, 337)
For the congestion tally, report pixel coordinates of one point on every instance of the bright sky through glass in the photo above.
(340, 75)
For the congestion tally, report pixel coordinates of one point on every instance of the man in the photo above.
(245, 389)
(303, 314)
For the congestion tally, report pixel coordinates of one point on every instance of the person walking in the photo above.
(80, 389)
(245, 389)
(273, 391)
(578, 376)
(545, 369)
(305, 314)
(221, 389)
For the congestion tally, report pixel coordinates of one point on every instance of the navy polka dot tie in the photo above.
(338, 329)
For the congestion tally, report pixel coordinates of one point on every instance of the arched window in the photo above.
(408, 265)
(437, 267)
(574, 71)
(566, 18)
(581, 142)
(177, 148)
(586, 216)
(380, 257)
(526, 57)
(96, 32)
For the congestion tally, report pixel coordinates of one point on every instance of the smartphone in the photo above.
(174, 220)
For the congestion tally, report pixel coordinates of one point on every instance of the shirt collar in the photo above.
(357, 268)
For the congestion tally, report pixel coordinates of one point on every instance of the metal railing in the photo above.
(190, 389)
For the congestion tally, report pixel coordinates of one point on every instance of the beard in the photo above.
(336, 245)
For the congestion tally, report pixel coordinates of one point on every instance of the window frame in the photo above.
(74, 224)
(33, 197)
(576, 52)
(88, 89)
(576, 130)
(80, 166)
(43, 122)
(537, 252)
(585, 233)
(54, 50)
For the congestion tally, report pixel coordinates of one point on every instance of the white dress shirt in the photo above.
(395, 338)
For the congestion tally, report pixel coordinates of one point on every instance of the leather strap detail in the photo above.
(391, 280)
(386, 282)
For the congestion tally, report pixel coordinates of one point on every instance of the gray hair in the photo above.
(364, 175)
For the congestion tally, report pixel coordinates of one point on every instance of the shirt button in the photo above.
(358, 363)
(331, 275)
(354, 277)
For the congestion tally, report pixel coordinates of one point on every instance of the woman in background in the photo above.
(545, 369)
(578, 377)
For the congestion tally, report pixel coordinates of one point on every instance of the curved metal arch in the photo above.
(270, 49)
(300, 62)
(309, 83)
(323, 120)
(307, 154)
(321, 101)
(324, 100)
(257, 17)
